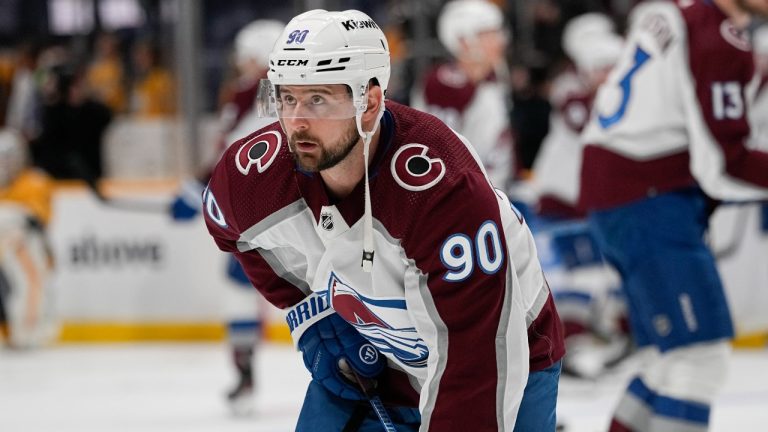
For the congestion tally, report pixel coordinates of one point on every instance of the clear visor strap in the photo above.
(368, 250)
(367, 217)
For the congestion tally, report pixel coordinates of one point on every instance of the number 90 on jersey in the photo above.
(461, 254)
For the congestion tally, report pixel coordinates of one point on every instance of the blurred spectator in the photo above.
(23, 103)
(530, 117)
(27, 317)
(106, 73)
(153, 94)
(7, 68)
(73, 125)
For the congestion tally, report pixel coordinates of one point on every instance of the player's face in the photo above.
(319, 142)
(487, 47)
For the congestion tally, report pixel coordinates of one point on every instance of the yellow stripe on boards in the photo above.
(172, 332)
(134, 332)
(751, 341)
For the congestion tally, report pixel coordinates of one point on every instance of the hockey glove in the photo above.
(332, 348)
(188, 202)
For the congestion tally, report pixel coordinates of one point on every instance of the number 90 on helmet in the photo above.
(320, 47)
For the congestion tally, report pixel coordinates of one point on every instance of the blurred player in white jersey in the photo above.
(471, 93)
(668, 136)
(585, 289)
(252, 46)
(27, 313)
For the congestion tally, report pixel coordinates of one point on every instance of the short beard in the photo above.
(328, 158)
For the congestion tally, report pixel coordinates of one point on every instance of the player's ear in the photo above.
(375, 99)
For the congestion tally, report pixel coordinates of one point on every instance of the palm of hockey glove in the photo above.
(188, 202)
(331, 347)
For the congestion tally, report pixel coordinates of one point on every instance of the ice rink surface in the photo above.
(180, 387)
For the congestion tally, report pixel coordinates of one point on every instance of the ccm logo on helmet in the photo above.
(361, 24)
(292, 62)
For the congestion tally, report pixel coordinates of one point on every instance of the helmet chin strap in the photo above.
(368, 250)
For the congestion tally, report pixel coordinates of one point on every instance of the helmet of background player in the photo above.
(254, 42)
(13, 156)
(321, 47)
(592, 44)
(463, 20)
(586, 25)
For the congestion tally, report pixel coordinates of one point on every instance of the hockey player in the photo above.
(585, 289)
(471, 94)
(27, 316)
(404, 273)
(252, 46)
(668, 131)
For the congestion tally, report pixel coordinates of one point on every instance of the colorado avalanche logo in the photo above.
(734, 36)
(212, 208)
(414, 170)
(260, 151)
(367, 315)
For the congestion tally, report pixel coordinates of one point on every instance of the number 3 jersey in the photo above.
(455, 284)
(673, 112)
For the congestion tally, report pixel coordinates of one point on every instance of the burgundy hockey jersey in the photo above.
(455, 282)
(673, 113)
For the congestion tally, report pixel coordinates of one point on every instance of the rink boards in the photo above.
(126, 271)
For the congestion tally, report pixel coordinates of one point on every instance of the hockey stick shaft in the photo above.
(377, 405)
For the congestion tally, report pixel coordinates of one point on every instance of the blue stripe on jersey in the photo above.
(679, 409)
(399, 304)
(638, 388)
(564, 294)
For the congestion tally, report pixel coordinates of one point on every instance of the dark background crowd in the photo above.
(70, 67)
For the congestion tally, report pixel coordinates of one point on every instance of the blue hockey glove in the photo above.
(331, 346)
(765, 217)
(188, 202)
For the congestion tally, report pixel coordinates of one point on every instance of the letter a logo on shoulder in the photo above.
(260, 151)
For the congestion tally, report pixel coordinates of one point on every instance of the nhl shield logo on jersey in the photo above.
(326, 221)
(384, 322)
(260, 151)
(414, 170)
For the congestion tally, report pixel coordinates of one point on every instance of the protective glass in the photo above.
(305, 101)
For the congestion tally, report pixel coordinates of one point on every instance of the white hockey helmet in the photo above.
(588, 25)
(322, 47)
(463, 19)
(591, 42)
(597, 52)
(13, 156)
(255, 41)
